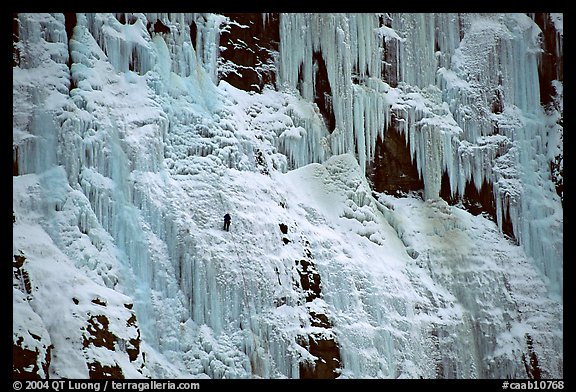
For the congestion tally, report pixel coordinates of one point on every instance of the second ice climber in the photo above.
(227, 222)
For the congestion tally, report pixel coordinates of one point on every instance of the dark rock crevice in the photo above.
(550, 69)
(557, 173)
(530, 361)
(390, 72)
(28, 362)
(323, 92)
(15, 40)
(261, 162)
(157, 28)
(25, 361)
(477, 201)
(437, 354)
(284, 230)
(392, 170)
(21, 274)
(328, 357)
(551, 66)
(321, 344)
(15, 168)
(98, 371)
(70, 23)
(98, 334)
(193, 34)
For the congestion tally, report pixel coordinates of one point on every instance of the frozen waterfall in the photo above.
(128, 150)
(452, 72)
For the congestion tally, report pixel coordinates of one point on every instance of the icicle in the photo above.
(352, 48)
(416, 59)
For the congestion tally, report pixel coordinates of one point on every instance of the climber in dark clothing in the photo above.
(227, 222)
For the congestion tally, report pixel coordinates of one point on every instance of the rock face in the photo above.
(320, 343)
(477, 202)
(26, 362)
(551, 69)
(249, 44)
(393, 171)
(101, 326)
(98, 334)
(31, 348)
(551, 66)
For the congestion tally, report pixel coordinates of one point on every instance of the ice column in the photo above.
(352, 47)
(125, 44)
(489, 82)
(417, 60)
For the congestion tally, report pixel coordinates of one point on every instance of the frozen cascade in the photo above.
(352, 48)
(473, 84)
(431, 133)
(507, 71)
(146, 150)
(122, 177)
(185, 55)
(35, 131)
(157, 227)
(305, 141)
(37, 151)
(417, 53)
(125, 44)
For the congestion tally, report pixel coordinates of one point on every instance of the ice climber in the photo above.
(227, 222)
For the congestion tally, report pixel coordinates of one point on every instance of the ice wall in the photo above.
(467, 101)
(352, 48)
(153, 149)
(127, 45)
(143, 113)
(490, 85)
(492, 89)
